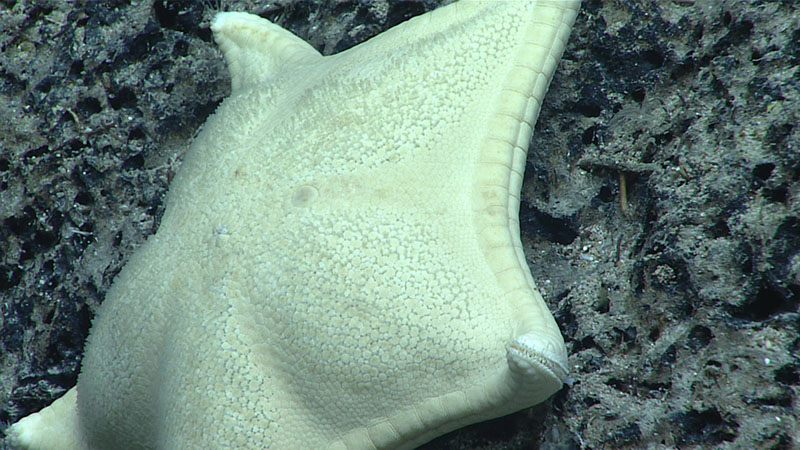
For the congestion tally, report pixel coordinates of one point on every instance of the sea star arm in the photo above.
(256, 49)
(55, 427)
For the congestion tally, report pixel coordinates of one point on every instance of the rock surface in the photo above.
(660, 215)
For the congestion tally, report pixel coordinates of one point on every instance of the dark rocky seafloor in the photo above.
(660, 215)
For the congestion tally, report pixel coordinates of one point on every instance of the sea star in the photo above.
(339, 263)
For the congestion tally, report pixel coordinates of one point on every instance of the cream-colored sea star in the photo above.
(339, 263)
